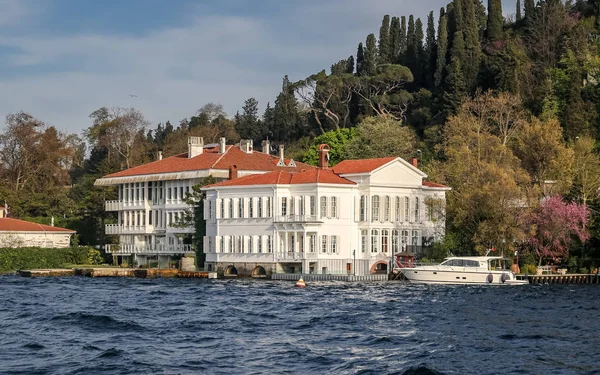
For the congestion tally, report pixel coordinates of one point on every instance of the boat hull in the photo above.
(460, 277)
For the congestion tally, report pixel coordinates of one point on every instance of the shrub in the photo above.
(94, 257)
(529, 269)
(12, 259)
(584, 270)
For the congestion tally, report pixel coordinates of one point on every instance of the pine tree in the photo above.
(385, 48)
(395, 39)
(430, 50)
(529, 8)
(442, 48)
(401, 58)
(411, 48)
(495, 19)
(455, 82)
(471, 63)
(370, 53)
(519, 17)
(360, 61)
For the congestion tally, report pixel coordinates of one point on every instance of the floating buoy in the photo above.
(300, 283)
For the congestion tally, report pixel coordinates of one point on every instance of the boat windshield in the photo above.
(461, 263)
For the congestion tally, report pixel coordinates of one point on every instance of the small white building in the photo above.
(20, 233)
(350, 219)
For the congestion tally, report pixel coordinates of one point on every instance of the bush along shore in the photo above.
(13, 259)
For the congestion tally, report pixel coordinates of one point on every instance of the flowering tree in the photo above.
(555, 224)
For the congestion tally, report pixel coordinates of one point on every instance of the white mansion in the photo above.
(271, 214)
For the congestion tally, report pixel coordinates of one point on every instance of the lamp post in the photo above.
(354, 261)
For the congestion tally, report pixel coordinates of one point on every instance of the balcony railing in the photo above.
(119, 205)
(148, 249)
(297, 219)
(289, 256)
(113, 229)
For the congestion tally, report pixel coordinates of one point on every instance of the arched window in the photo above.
(374, 240)
(375, 208)
(385, 238)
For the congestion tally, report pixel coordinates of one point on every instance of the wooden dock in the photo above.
(564, 279)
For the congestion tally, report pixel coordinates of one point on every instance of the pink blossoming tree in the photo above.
(555, 224)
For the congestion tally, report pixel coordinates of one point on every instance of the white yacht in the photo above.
(464, 270)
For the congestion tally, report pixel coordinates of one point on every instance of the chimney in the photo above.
(233, 172)
(52, 221)
(195, 146)
(222, 143)
(414, 162)
(159, 155)
(246, 145)
(324, 156)
(281, 148)
(266, 147)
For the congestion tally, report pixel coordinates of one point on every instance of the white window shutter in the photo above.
(218, 207)
(357, 209)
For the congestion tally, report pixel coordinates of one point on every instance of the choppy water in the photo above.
(177, 326)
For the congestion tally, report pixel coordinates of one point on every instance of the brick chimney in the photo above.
(222, 145)
(233, 172)
(324, 156)
(414, 162)
(195, 146)
(266, 146)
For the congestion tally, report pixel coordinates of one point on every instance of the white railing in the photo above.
(148, 249)
(296, 219)
(113, 206)
(177, 229)
(113, 229)
(120, 205)
(287, 255)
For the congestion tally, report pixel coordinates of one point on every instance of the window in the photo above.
(149, 191)
(293, 206)
(374, 240)
(268, 206)
(251, 207)
(181, 192)
(312, 244)
(397, 210)
(150, 217)
(175, 193)
(250, 245)
(417, 213)
(231, 208)
(386, 212)
(364, 240)
(323, 207)
(170, 220)
(222, 245)
(375, 208)
(169, 193)
(406, 209)
(137, 191)
(293, 243)
(230, 244)
(222, 208)
(333, 244)
(385, 237)
(312, 206)
(284, 206)
(301, 206)
(363, 207)
(415, 237)
(260, 207)
(241, 244)
(259, 248)
(333, 207)
(269, 244)
(404, 239)
(395, 241)
(241, 207)
(142, 191)
(210, 244)
(323, 244)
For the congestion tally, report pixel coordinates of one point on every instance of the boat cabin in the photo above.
(404, 260)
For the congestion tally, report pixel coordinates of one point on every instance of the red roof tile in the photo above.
(433, 184)
(16, 225)
(312, 176)
(361, 166)
(211, 159)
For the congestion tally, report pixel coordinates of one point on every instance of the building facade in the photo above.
(20, 233)
(350, 219)
(151, 197)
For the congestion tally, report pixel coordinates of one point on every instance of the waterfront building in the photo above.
(349, 219)
(21, 233)
(151, 197)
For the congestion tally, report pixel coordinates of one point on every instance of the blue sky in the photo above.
(62, 59)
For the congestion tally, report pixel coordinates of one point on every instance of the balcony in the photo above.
(148, 249)
(119, 205)
(113, 206)
(113, 229)
(297, 219)
(287, 256)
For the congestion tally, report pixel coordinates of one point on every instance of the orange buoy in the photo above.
(300, 283)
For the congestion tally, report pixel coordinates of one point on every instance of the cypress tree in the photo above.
(519, 17)
(458, 9)
(455, 82)
(350, 65)
(370, 53)
(494, 22)
(385, 53)
(360, 61)
(403, 42)
(529, 8)
(395, 38)
(411, 48)
(472, 61)
(420, 67)
(430, 50)
(442, 48)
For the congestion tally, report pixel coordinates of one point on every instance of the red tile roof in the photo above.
(361, 166)
(211, 159)
(16, 225)
(433, 184)
(312, 176)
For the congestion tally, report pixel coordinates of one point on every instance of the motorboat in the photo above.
(483, 270)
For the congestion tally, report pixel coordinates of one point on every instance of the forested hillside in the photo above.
(504, 110)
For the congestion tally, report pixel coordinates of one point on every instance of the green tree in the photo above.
(495, 20)
(442, 48)
(395, 39)
(455, 86)
(403, 41)
(411, 44)
(360, 61)
(370, 56)
(385, 46)
(529, 8)
(287, 121)
(381, 137)
(472, 62)
(429, 57)
(518, 16)
(195, 216)
(420, 69)
(247, 124)
(337, 141)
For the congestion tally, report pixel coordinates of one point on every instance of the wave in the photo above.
(96, 322)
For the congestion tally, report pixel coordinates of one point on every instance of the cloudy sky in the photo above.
(62, 59)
